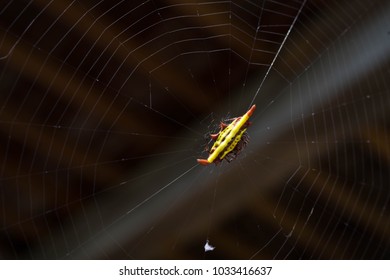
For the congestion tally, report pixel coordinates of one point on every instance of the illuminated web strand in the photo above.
(277, 53)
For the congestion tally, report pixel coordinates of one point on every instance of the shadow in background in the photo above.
(104, 107)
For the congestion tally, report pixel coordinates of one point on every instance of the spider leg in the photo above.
(223, 125)
(214, 136)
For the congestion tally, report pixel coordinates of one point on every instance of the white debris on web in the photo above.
(208, 247)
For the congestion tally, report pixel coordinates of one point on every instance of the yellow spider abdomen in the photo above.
(233, 144)
(228, 138)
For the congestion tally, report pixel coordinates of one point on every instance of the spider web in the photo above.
(105, 108)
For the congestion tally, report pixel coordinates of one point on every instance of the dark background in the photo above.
(104, 108)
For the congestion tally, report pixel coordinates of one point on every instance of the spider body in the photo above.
(230, 140)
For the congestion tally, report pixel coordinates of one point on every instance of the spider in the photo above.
(230, 140)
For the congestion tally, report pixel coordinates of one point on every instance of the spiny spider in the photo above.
(230, 140)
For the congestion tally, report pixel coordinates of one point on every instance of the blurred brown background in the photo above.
(104, 108)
